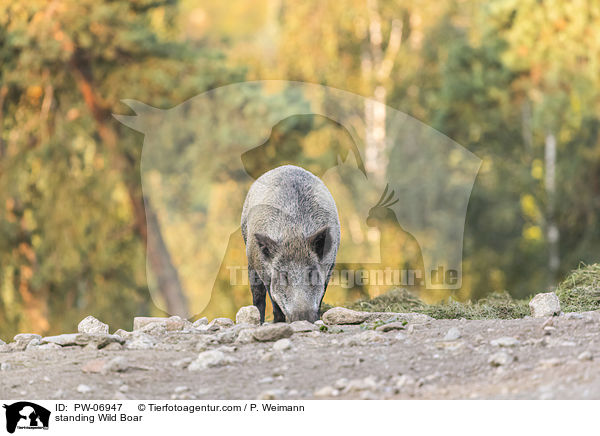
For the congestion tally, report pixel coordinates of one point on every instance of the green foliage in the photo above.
(494, 76)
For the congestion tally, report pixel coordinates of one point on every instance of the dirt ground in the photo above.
(554, 358)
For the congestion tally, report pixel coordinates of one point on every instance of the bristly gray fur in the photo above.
(292, 233)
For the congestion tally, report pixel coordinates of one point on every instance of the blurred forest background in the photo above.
(515, 82)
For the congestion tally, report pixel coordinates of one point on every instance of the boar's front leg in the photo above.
(259, 292)
(278, 315)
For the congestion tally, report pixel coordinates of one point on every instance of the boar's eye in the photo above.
(267, 246)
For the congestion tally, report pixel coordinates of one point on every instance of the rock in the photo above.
(140, 341)
(65, 340)
(124, 334)
(449, 345)
(226, 349)
(363, 338)
(227, 336)
(2, 342)
(396, 325)
(505, 341)
(23, 339)
(270, 395)
(586, 355)
(48, 347)
(550, 363)
(200, 322)
(82, 339)
(245, 337)
(221, 323)
(248, 315)
(181, 389)
(303, 326)
(501, 359)
(118, 395)
(174, 323)
(117, 364)
(266, 380)
(113, 346)
(453, 334)
(105, 366)
(92, 326)
(5, 366)
(154, 329)
(94, 366)
(84, 389)
(267, 356)
(209, 359)
(404, 381)
(400, 336)
(203, 343)
(341, 315)
(545, 304)
(272, 332)
(361, 384)
(282, 345)
(34, 344)
(182, 363)
(319, 323)
(327, 391)
(123, 388)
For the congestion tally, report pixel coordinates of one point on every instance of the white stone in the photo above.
(209, 359)
(140, 341)
(453, 334)
(200, 322)
(272, 332)
(221, 323)
(303, 326)
(327, 391)
(282, 345)
(545, 304)
(341, 315)
(92, 326)
(501, 359)
(586, 355)
(248, 315)
(84, 389)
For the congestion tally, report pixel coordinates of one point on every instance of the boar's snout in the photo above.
(303, 315)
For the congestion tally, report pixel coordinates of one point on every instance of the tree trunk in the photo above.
(552, 232)
(146, 221)
(376, 67)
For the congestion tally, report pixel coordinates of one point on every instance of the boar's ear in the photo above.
(267, 246)
(320, 242)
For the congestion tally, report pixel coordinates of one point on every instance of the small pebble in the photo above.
(453, 334)
(282, 345)
(84, 389)
(586, 355)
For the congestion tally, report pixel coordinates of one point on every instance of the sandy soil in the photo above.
(545, 359)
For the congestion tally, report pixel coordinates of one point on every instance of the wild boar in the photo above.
(291, 229)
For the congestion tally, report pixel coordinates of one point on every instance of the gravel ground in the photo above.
(530, 358)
